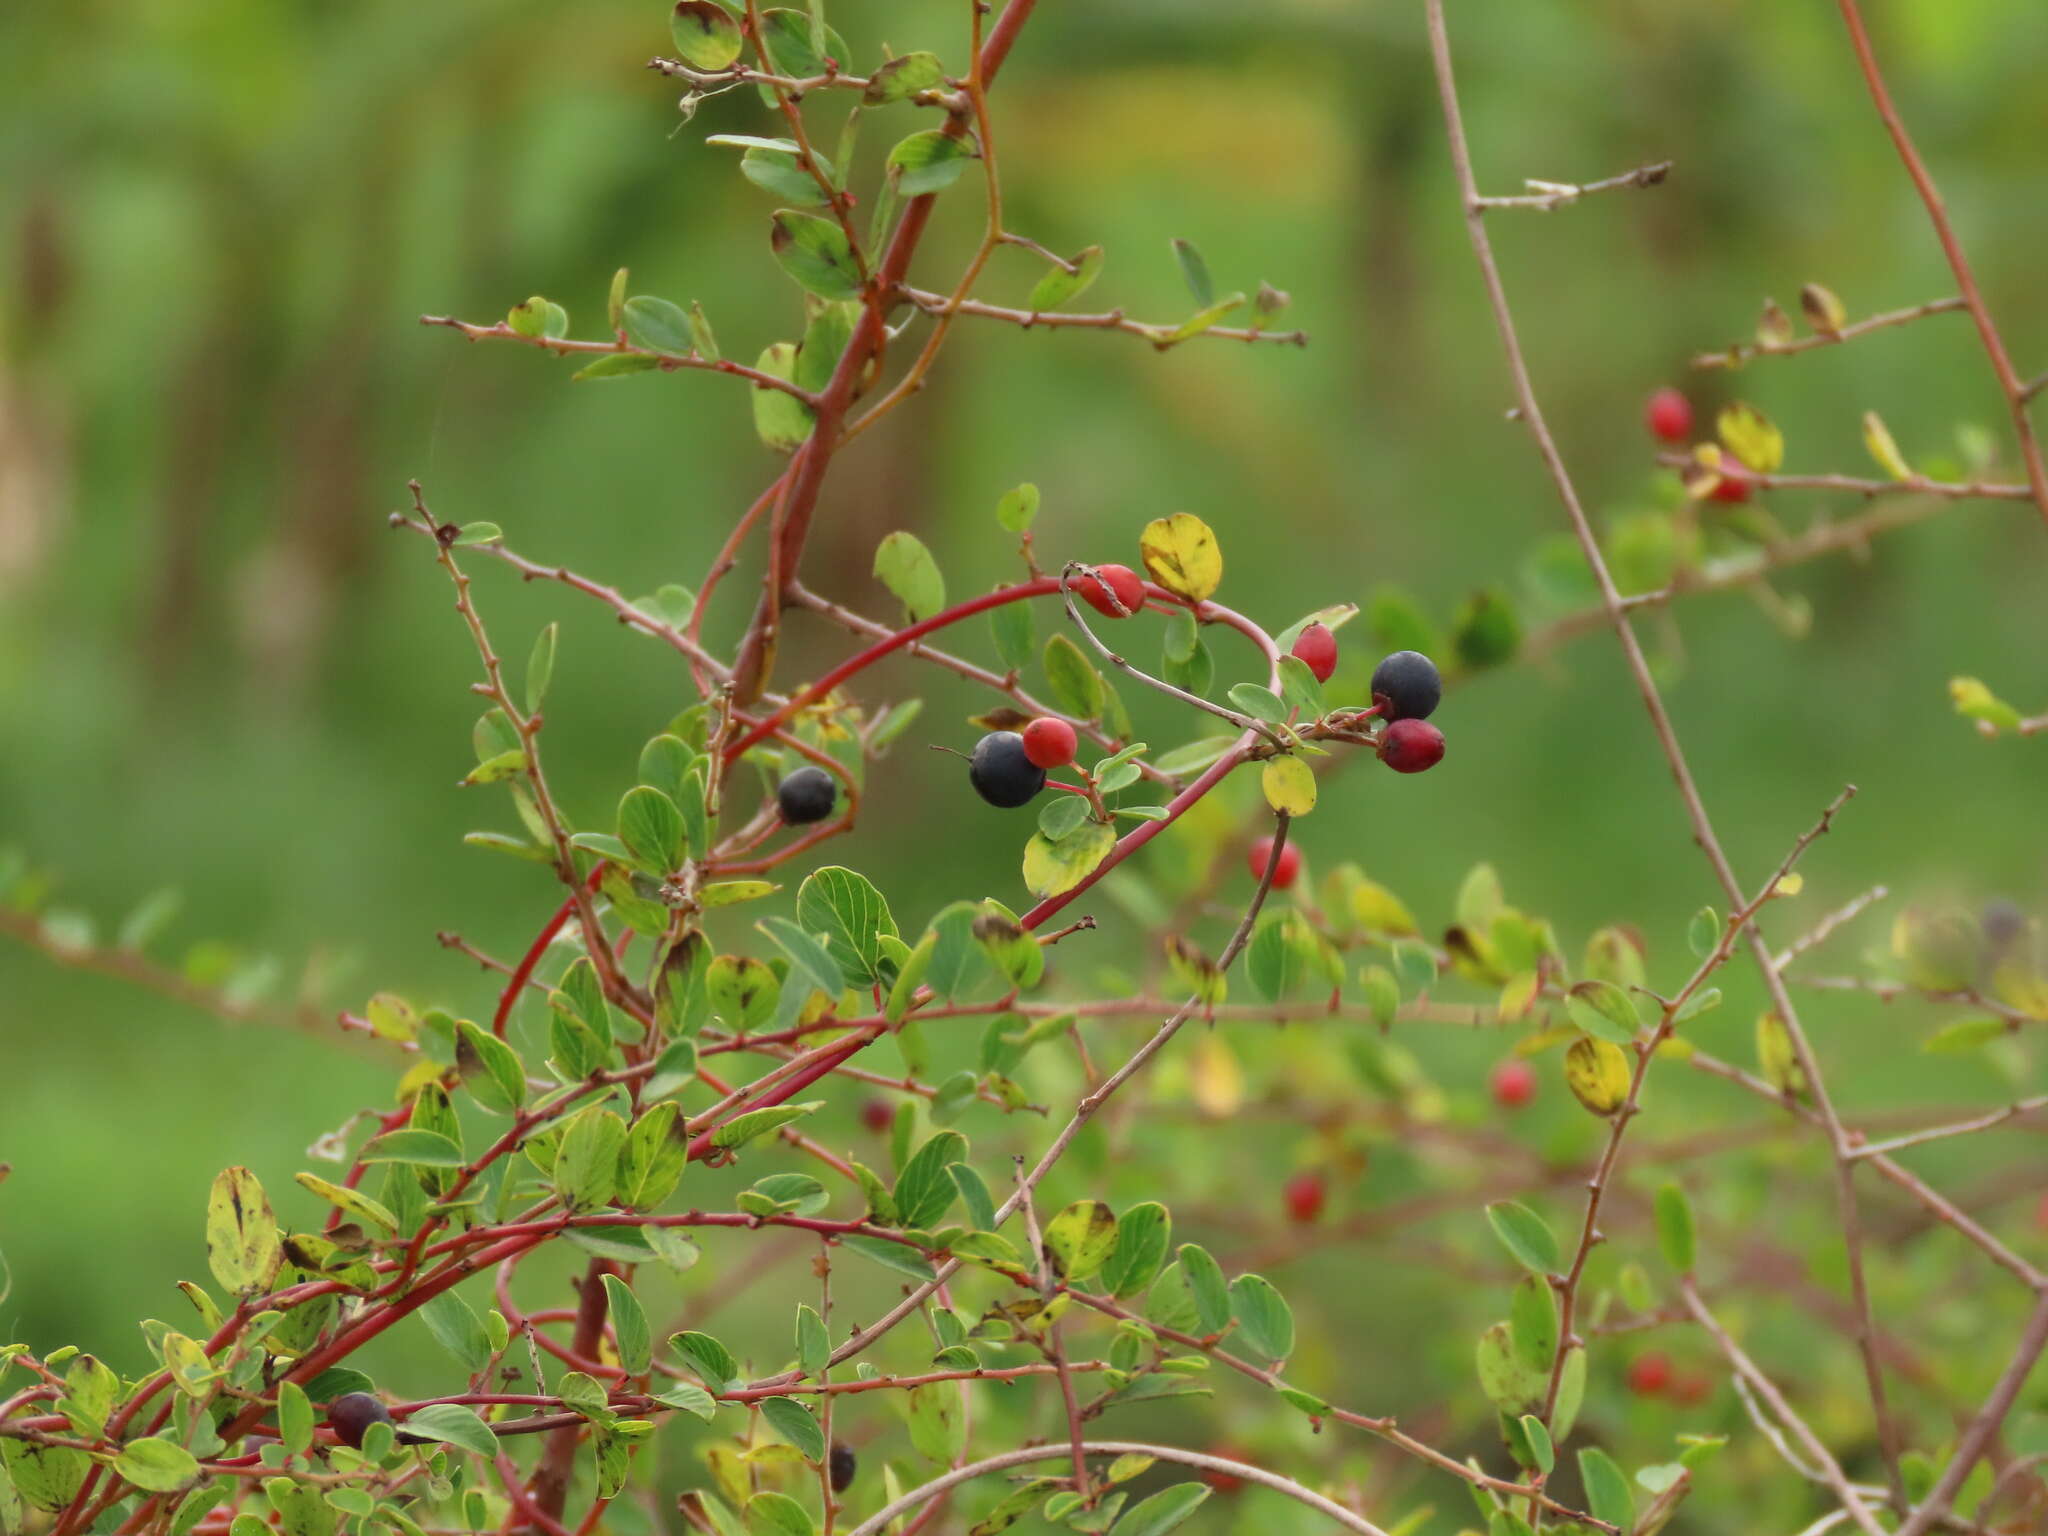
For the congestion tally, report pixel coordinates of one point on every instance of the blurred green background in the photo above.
(219, 220)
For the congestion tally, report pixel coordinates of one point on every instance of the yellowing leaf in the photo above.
(1748, 434)
(1789, 885)
(1877, 438)
(1378, 910)
(1776, 1060)
(1052, 868)
(1597, 1074)
(1824, 312)
(1290, 785)
(1518, 996)
(1182, 556)
(1773, 326)
(1974, 701)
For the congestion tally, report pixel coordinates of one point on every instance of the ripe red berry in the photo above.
(1692, 1389)
(1288, 870)
(1305, 1194)
(1317, 647)
(1049, 743)
(1410, 746)
(1732, 486)
(877, 1116)
(1514, 1083)
(1669, 415)
(1120, 580)
(1649, 1375)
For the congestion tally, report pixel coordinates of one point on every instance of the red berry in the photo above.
(1049, 743)
(1305, 1194)
(1732, 486)
(1317, 647)
(1410, 746)
(1514, 1083)
(1096, 590)
(877, 1116)
(1289, 869)
(1649, 1375)
(1669, 415)
(1692, 1389)
(1224, 1482)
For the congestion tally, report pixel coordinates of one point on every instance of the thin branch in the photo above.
(1820, 932)
(1548, 196)
(664, 362)
(1735, 354)
(2015, 1111)
(1158, 333)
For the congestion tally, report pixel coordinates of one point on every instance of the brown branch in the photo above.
(1740, 352)
(1107, 320)
(1548, 196)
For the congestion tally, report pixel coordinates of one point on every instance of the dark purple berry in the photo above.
(1002, 773)
(843, 1464)
(1407, 686)
(806, 795)
(1411, 746)
(351, 1415)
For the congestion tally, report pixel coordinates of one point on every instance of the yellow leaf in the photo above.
(1290, 785)
(1218, 1082)
(1051, 868)
(1877, 438)
(1789, 885)
(1518, 996)
(1378, 910)
(1597, 1072)
(1747, 433)
(1775, 1057)
(1974, 701)
(1182, 556)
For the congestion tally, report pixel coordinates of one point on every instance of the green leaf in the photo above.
(1676, 1235)
(654, 1157)
(156, 1464)
(478, 533)
(900, 78)
(1076, 685)
(629, 1325)
(935, 1426)
(928, 162)
(844, 908)
(657, 325)
(1510, 1383)
(756, 1123)
(1163, 1511)
(1052, 868)
(1525, 1235)
(809, 961)
(1206, 1287)
(614, 366)
(490, 1069)
(813, 1344)
(1144, 1235)
(814, 251)
(457, 1329)
(743, 991)
(706, 36)
(1016, 634)
(1532, 1319)
(691, 1398)
(825, 340)
(796, 1424)
(781, 421)
(294, 1417)
(587, 1161)
(1016, 510)
(1538, 1440)
(1607, 1492)
(1260, 702)
(456, 1425)
(242, 1245)
(1264, 1319)
(1706, 1000)
(1703, 933)
(1601, 1008)
(925, 1190)
(710, 1359)
(907, 569)
(1194, 272)
(1080, 1239)
(1060, 286)
(1299, 689)
(652, 827)
(777, 1514)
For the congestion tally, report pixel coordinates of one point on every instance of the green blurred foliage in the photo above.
(219, 220)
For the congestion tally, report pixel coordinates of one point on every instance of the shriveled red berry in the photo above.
(1649, 1375)
(1411, 746)
(877, 1116)
(1669, 415)
(1316, 645)
(1119, 582)
(1514, 1083)
(1285, 873)
(1049, 743)
(1305, 1194)
(1732, 486)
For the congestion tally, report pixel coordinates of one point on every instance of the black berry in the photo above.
(1001, 772)
(352, 1414)
(843, 1464)
(806, 795)
(1407, 686)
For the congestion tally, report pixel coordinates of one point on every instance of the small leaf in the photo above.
(1601, 1008)
(1263, 1318)
(456, 1425)
(158, 1465)
(1824, 312)
(242, 1245)
(1597, 1072)
(1163, 1511)
(1258, 701)
(1748, 434)
(815, 252)
(1060, 286)
(796, 1424)
(908, 570)
(1289, 785)
(1076, 685)
(1207, 1288)
(1607, 1490)
(1181, 553)
(1703, 934)
(657, 324)
(1194, 272)
(928, 162)
(1675, 1230)
(1080, 1239)
(651, 826)
(1877, 440)
(706, 37)
(1525, 1235)
(900, 78)
(629, 1326)
(1016, 510)
(1054, 868)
